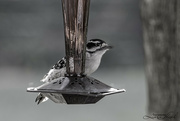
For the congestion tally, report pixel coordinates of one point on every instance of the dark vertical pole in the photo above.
(76, 13)
(161, 21)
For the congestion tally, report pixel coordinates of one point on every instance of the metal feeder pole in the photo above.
(75, 13)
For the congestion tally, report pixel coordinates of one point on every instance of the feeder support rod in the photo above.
(75, 15)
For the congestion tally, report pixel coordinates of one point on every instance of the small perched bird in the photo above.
(95, 49)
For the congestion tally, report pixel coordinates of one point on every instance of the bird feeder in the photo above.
(75, 87)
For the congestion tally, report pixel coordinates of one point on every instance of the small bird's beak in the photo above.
(108, 47)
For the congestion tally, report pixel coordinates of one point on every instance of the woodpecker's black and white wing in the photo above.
(58, 70)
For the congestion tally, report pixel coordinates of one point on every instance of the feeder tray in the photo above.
(75, 90)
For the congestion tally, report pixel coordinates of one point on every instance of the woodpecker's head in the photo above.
(97, 46)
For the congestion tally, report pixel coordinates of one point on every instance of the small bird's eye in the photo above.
(97, 44)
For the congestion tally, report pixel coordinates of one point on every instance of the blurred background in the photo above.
(32, 41)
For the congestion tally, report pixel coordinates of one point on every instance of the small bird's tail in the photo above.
(41, 98)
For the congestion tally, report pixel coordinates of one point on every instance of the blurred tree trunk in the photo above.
(161, 29)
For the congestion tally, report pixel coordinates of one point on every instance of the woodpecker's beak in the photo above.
(107, 47)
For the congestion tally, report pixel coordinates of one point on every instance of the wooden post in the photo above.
(76, 13)
(161, 27)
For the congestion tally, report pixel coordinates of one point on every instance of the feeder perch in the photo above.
(76, 90)
(75, 87)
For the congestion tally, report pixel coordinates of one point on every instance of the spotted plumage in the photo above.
(60, 64)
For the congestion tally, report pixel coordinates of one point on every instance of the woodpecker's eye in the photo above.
(98, 44)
